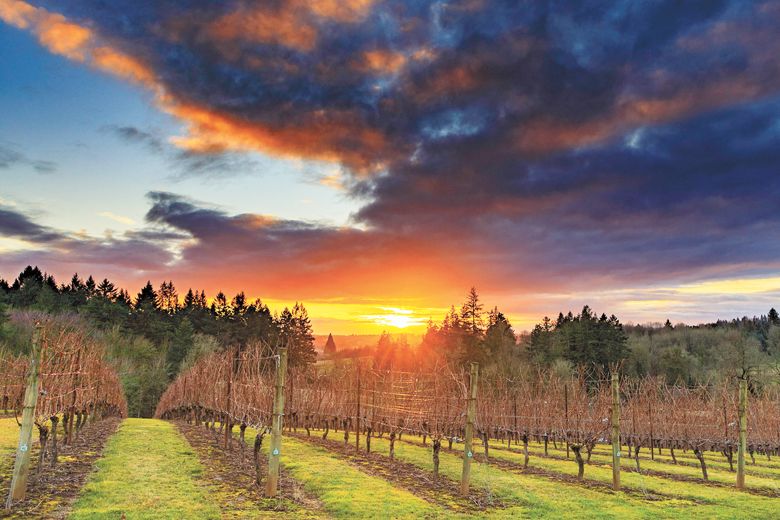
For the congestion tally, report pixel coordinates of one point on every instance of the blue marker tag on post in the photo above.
(23, 448)
(469, 454)
(276, 451)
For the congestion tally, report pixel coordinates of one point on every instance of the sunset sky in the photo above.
(376, 159)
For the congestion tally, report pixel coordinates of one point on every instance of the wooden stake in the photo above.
(232, 368)
(615, 431)
(471, 412)
(272, 486)
(742, 433)
(357, 414)
(71, 416)
(566, 417)
(22, 462)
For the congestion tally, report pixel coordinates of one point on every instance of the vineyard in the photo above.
(435, 442)
(65, 381)
(541, 417)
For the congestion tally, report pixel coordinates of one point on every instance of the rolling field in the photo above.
(148, 469)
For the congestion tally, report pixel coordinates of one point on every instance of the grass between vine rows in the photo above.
(150, 471)
(147, 471)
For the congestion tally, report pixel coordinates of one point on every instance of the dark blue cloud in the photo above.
(612, 136)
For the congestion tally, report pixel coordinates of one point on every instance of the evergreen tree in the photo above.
(471, 313)
(297, 334)
(330, 345)
(107, 290)
(147, 298)
(90, 287)
(168, 298)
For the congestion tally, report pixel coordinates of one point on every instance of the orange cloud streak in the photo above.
(329, 135)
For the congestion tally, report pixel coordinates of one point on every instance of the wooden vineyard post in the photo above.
(22, 462)
(357, 414)
(615, 431)
(272, 486)
(742, 433)
(471, 411)
(69, 436)
(566, 417)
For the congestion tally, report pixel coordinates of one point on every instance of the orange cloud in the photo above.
(285, 26)
(16, 13)
(124, 66)
(347, 11)
(53, 30)
(547, 135)
(74, 41)
(382, 61)
(325, 135)
(330, 135)
(291, 24)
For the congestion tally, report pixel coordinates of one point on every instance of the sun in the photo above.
(397, 318)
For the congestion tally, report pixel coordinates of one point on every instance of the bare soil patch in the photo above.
(232, 475)
(52, 490)
(442, 491)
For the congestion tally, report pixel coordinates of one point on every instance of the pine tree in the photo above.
(297, 334)
(330, 345)
(189, 300)
(471, 313)
(168, 298)
(90, 286)
(220, 308)
(107, 290)
(147, 298)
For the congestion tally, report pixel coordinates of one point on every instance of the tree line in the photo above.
(155, 334)
(680, 354)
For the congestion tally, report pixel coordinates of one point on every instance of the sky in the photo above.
(376, 159)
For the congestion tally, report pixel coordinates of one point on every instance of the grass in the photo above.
(758, 476)
(540, 497)
(148, 471)
(9, 437)
(345, 491)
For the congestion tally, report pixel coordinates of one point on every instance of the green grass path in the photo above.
(347, 492)
(9, 435)
(148, 470)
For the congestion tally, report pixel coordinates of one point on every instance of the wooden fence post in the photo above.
(471, 411)
(272, 486)
(742, 433)
(566, 417)
(615, 431)
(357, 414)
(22, 462)
(77, 385)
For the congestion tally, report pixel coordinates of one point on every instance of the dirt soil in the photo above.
(233, 476)
(51, 492)
(444, 491)
(571, 479)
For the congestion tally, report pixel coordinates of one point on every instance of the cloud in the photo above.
(530, 145)
(61, 250)
(127, 221)
(15, 224)
(10, 156)
(187, 163)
